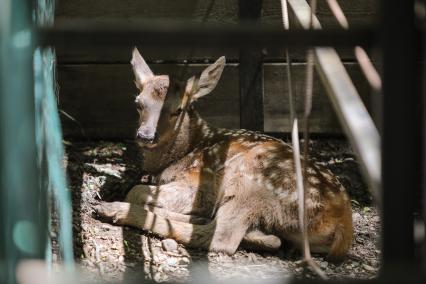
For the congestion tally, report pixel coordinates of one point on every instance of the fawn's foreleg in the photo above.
(224, 233)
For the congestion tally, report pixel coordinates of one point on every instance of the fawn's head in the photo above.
(162, 101)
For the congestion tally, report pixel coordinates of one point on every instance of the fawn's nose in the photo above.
(145, 136)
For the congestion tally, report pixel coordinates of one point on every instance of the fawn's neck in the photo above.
(193, 131)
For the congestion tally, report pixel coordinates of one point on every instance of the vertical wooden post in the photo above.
(400, 151)
(251, 72)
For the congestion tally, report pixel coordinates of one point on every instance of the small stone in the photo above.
(184, 261)
(169, 245)
(105, 227)
(171, 261)
(368, 267)
(356, 217)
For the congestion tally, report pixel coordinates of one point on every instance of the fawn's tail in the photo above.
(343, 236)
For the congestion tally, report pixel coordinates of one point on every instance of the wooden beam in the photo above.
(352, 113)
(170, 35)
(360, 13)
(251, 72)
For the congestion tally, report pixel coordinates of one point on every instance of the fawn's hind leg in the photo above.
(257, 240)
(143, 195)
(254, 240)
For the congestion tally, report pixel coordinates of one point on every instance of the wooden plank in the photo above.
(251, 73)
(359, 12)
(100, 98)
(323, 118)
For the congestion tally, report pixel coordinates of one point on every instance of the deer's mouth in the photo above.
(147, 144)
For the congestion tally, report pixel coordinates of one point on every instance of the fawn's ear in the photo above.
(209, 78)
(140, 68)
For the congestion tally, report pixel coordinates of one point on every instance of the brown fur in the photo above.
(218, 188)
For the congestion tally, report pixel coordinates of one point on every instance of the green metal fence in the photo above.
(32, 177)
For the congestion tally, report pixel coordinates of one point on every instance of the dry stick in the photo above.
(301, 202)
(296, 156)
(368, 68)
(307, 112)
(361, 56)
(338, 13)
(286, 23)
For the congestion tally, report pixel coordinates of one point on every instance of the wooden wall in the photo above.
(96, 85)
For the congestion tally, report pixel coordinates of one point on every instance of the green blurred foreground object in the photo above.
(31, 152)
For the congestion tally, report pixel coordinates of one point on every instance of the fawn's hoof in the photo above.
(116, 211)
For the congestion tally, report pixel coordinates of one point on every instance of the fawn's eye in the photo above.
(138, 106)
(177, 112)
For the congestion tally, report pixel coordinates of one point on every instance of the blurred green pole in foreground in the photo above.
(23, 202)
(49, 137)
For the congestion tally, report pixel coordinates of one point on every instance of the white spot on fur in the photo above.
(233, 158)
(249, 177)
(283, 165)
(208, 170)
(293, 196)
(269, 186)
(270, 148)
(314, 180)
(195, 164)
(278, 190)
(247, 144)
(283, 194)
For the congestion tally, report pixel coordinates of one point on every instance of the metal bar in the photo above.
(353, 115)
(23, 209)
(423, 119)
(251, 72)
(400, 155)
(145, 34)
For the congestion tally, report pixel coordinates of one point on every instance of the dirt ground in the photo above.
(107, 170)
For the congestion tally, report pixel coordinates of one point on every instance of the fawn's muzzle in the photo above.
(145, 138)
